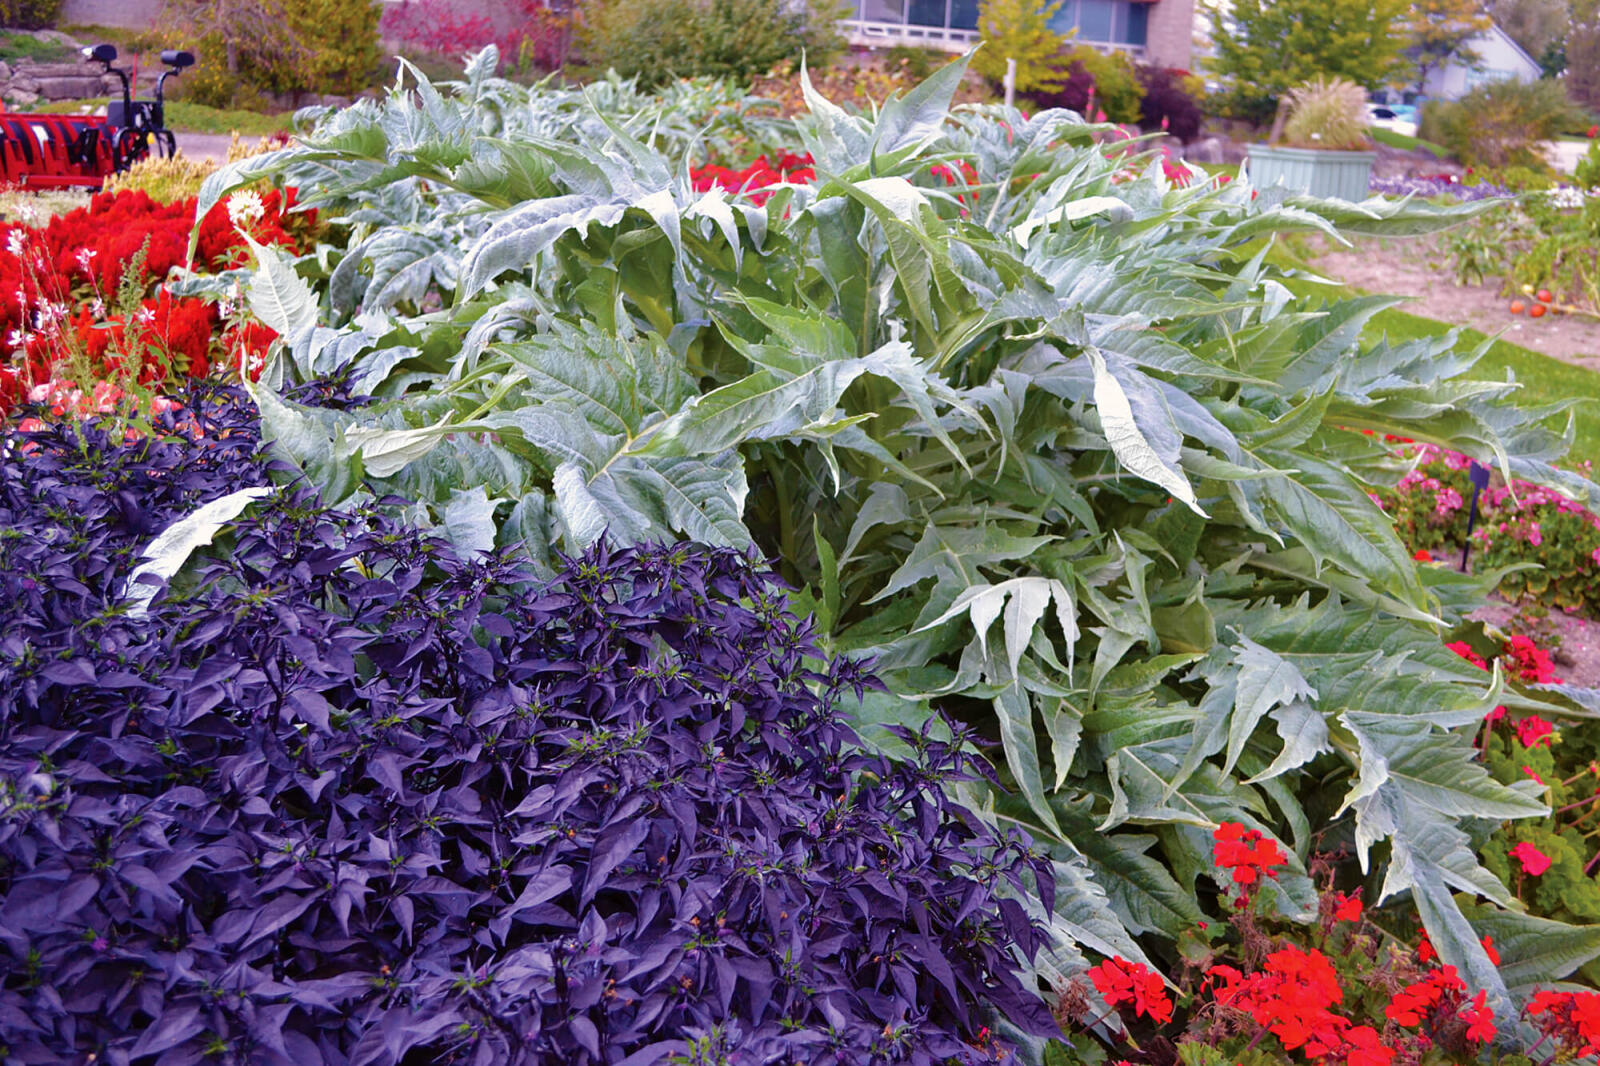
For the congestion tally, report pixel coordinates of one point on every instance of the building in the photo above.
(1158, 32)
(1499, 58)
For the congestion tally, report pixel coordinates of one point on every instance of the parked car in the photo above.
(1399, 118)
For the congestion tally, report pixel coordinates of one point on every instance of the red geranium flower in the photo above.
(1534, 862)
(1125, 983)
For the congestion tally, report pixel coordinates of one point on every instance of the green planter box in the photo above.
(1331, 175)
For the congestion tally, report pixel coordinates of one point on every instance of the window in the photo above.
(1138, 25)
(884, 10)
(1092, 21)
(1095, 18)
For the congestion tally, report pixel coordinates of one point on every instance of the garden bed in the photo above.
(1420, 271)
(380, 690)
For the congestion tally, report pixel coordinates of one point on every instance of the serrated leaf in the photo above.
(1132, 450)
(278, 296)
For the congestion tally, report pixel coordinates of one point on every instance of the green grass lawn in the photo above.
(1408, 144)
(15, 46)
(1543, 379)
(198, 118)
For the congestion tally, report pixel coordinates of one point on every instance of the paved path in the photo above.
(213, 146)
(1564, 155)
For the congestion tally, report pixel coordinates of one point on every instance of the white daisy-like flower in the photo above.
(245, 208)
(14, 243)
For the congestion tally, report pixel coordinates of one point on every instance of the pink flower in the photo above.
(1534, 536)
(1534, 862)
(1530, 772)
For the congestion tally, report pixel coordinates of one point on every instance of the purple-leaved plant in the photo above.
(345, 797)
(1437, 185)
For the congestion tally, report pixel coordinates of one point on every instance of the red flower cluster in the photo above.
(88, 248)
(1247, 853)
(1439, 995)
(1133, 984)
(441, 28)
(1462, 649)
(1347, 908)
(965, 175)
(1290, 997)
(77, 260)
(758, 175)
(1530, 662)
(173, 334)
(1534, 731)
(1534, 862)
(1572, 1019)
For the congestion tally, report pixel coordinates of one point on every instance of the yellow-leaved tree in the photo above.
(1263, 47)
(1020, 30)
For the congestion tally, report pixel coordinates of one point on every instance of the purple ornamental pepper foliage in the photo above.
(345, 797)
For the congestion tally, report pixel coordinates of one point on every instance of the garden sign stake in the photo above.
(1478, 474)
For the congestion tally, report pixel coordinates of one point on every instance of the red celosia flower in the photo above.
(796, 169)
(1130, 983)
(1534, 861)
(1423, 555)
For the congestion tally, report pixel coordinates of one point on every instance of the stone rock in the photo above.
(57, 37)
(19, 98)
(334, 101)
(5, 73)
(73, 88)
(25, 83)
(64, 70)
(1207, 151)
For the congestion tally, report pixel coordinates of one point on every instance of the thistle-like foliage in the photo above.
(1066, 452)
(342, 796)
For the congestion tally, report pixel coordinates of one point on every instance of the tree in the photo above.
(1020, 30)
(1264, 47)
(1534, 24)
(250, 47)
(657, 40)
(1583, 54)
(1441, 31)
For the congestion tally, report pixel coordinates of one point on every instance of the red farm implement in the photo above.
(50, 151)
